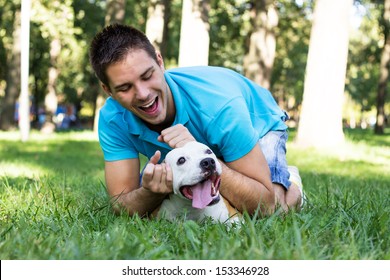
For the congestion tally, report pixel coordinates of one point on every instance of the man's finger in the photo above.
(147, 173)
(155, 158)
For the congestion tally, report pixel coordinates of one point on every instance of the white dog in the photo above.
(196, 181)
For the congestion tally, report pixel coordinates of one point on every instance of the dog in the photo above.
(196, 182)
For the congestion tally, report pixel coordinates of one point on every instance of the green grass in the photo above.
(53, 205)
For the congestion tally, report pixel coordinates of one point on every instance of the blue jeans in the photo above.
(273, 145)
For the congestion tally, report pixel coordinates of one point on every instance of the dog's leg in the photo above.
(233, 212)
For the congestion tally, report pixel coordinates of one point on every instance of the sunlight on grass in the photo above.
(354, 158)
(54, 205)
(35, 135)
(48, 154)
(21, 169)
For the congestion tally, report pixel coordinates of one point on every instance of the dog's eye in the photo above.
(181, 161)
(208, 151)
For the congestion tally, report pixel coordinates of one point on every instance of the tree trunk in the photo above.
(24, 100)
(321, 116)
(7, 112)
(157, 24)
(384, 73)
(115, 13)
(51, 100)
(194, 33)
(259, 60)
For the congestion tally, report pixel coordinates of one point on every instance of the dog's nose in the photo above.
(207, 164)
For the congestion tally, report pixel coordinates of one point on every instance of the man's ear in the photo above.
(160, 60)
(106, 89)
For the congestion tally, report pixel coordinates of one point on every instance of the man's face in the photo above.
(138, 84)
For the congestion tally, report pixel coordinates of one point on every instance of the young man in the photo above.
(151, 110)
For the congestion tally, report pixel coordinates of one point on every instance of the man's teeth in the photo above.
(148, 105)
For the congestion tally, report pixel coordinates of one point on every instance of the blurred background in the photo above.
(326, 61)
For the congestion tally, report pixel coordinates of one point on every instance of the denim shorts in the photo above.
(273, 145)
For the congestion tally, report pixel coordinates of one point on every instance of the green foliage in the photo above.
(75, 22)
(136, 13)
(39, 63)
(7, 15)
(364, 57)
(53, 205)
(229, 29)
(293, 34)
(173, 37)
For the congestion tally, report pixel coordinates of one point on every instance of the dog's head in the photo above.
(196, 174)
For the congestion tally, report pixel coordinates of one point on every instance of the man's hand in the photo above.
(176, 136)
(157, 178)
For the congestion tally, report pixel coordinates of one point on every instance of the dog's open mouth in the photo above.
(204, 193)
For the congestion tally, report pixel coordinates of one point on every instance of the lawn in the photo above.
(53, 205)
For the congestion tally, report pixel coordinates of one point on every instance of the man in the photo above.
(151, 110)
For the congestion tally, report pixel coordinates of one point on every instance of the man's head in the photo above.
(112, 44)
(132, 73)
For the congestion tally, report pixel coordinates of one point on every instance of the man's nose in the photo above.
(141, 91)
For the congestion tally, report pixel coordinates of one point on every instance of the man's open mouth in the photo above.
(151, 107)
(204, 193)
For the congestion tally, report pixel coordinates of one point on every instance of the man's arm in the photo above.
(246, 183)
(123, 186)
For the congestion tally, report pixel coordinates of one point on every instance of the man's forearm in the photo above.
(140, 201)
(245, 193)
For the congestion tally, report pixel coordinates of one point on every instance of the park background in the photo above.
(326, 63)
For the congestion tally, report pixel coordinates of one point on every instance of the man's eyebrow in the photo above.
(142, 75)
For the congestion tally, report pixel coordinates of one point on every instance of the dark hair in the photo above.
(113, 43)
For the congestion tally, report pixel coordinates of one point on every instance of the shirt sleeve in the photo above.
(114, 142)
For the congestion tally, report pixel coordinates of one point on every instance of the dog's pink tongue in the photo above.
(201, 195)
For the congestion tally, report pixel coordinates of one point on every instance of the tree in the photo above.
(157, 24)
(363, 64)
(260, 58)
(115, 13)
(12, 89)
(194, 34)
(321, 116)
(56, 23)
(384, 71)
(229, 27)
(292, 44)
(24, 102)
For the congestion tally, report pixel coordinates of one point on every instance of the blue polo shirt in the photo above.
(220, 108)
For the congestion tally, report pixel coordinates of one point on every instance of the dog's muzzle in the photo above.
(206, 192)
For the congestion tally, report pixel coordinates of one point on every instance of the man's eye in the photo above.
(147, 76)
(181, 161)
(123, 89)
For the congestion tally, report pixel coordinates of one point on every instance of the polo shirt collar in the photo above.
(137, 128)
(182, 116)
